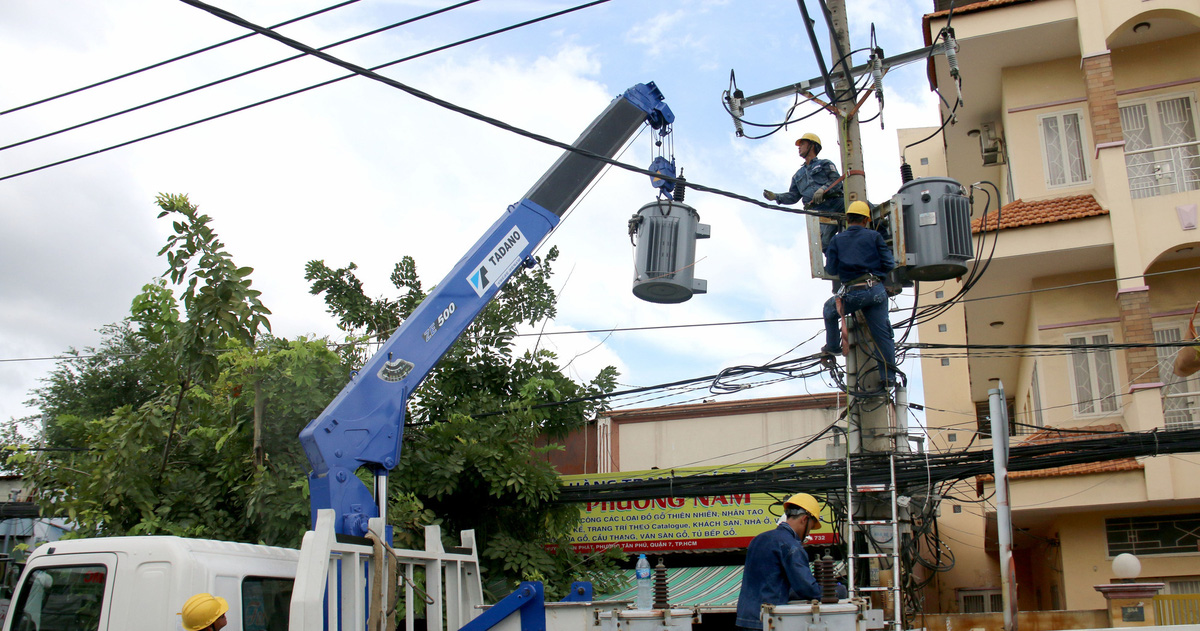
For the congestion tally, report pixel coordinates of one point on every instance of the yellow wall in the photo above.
(720, 439)
(1040, 84)
(1086, 560)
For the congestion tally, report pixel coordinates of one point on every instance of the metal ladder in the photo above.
(852, 556)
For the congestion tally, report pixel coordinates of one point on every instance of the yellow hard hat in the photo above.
(201, 610)
(859, 208)
(805, 501)
(811, 137)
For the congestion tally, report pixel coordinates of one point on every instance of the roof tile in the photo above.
(971, 7)
(1050, 435)
(1022, 213)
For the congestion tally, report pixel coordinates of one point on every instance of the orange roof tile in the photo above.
(1022, 213)
(1049, 435)
(971, 7)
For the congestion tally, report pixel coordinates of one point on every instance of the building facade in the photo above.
(1083, 115)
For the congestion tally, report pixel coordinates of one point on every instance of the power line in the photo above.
(483, 118)
(171, 60)
(300, 91)
(237, 76)
(1083, 284)
(912, 470)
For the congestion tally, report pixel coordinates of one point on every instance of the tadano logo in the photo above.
(501, 260)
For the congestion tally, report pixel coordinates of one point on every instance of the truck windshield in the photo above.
(66, 598)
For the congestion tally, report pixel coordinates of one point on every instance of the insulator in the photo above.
(680, 187)
(827, 580)
(661, 594)
(877, 74)
(906, 174)
(952, 54)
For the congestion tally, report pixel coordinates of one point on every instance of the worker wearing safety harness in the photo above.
(817, 184)
(776, 564)
(860, 259)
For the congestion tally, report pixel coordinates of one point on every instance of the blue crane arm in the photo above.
(364, 425)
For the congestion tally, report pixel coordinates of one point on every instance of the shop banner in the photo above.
(674, 524)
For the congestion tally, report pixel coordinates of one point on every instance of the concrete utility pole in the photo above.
(870, 429)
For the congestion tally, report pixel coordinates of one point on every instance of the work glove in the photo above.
(818, 196)
(769, 195)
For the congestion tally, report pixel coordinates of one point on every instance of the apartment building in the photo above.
(1083, 115)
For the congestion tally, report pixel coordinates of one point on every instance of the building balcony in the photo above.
(1164, 170)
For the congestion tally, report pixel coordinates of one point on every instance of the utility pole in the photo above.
(870, 428)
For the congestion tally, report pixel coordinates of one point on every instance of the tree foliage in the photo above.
(151, 432)
(470, 458)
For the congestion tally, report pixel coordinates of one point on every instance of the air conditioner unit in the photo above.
(991, 147)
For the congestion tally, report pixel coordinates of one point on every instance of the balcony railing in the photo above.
(1181, 410)
(1163, 170)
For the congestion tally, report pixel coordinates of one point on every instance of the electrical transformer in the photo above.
(665, 234)
(937, 228)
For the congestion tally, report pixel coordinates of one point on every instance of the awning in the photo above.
(703, 588)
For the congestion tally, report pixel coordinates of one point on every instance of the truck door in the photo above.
(69, 592)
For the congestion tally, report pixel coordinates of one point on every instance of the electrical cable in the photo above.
(370, 73)
(172, 60)
(911, 469)
(237, 75)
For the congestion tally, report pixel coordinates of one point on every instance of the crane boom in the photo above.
(364, 425)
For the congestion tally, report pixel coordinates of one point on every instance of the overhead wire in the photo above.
(171, 60)
(238, 75)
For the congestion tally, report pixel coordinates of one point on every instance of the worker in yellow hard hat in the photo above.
(817, 184)
(861, 259)
(204, 612)
(776, 564)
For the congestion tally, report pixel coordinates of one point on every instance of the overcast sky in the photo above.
(361, 172)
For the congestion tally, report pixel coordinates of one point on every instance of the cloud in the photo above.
(362, 172)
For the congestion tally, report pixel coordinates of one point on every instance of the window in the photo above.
(980, 601)
(1161, 152)
(1181, 397)
(983, 418)
(1183, 585)
(1160, 534)
(1063, 149)
(265, 603)
(1092, 376)
(63, 598)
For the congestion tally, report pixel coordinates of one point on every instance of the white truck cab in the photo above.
(124, 583)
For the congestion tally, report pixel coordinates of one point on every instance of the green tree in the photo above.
(470, 455)
(153, 431)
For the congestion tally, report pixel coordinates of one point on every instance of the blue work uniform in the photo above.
(819, 173)
(859, 257)
(776, 571)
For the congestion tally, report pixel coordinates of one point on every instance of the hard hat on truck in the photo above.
(201, 610)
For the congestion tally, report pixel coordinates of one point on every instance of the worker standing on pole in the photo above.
(816, 183)
(776, 564)
(860, 259)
